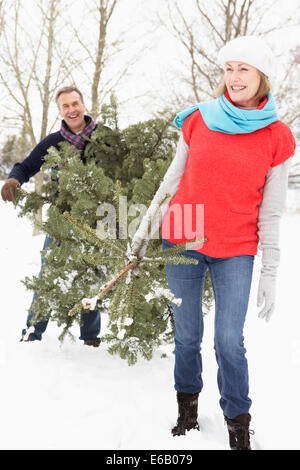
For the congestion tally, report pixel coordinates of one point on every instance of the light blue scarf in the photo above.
(222, 116)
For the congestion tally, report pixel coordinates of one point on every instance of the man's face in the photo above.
(72, 110)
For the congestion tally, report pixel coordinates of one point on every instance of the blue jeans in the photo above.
(231, 282)
(91, 321)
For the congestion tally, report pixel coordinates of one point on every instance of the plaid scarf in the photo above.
(78, 140)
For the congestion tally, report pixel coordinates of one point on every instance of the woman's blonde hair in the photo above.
(263, 89)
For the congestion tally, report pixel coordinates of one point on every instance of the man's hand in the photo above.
(9, 189)
(267, 292)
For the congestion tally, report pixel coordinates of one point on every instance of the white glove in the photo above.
(132, 257)
(267, 293)
(136, 244)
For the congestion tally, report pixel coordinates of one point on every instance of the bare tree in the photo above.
(100, 71)
(213, 24)
(288, 98)
(105, 10)
(210, 26)
(32, 68)
(1, 16)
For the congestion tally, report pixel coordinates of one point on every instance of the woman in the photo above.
(232, 158)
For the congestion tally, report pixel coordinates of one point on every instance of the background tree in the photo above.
(32, 68)
(106, 59)
(36, 61)
(1, 16)
(14, 149)
(288, 98)
(202, 30)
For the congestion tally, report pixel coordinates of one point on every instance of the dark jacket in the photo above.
(23, 171)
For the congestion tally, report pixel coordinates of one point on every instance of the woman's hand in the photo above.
(266, 294)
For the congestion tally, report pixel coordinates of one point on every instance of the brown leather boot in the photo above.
(187, 413)
(93, 342)
(239, 432)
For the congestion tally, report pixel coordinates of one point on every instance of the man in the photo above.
(75, 126)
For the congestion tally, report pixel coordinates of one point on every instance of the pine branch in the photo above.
(167, 257)
(90, 304)
(90, 235)
(33, 200)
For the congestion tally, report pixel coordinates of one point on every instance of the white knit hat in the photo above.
(252, 50)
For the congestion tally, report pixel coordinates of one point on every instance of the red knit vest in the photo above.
(222, 186)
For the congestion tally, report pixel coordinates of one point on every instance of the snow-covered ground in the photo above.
(70, 396)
